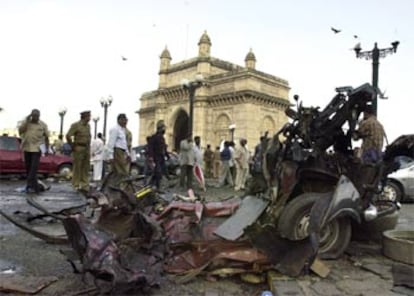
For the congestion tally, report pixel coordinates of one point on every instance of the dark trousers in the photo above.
(32, 160)
(157, 173)
(186, 173)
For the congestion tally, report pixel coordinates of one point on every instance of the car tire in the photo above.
(392, 191)
(65, 170)
(294, 222)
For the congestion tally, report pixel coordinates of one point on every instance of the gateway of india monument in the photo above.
(232, 102)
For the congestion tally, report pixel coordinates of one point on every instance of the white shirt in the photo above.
(117, 139)
(231, 161)
(198, 155)
(97, 149)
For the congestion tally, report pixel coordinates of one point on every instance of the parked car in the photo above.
(137, 167)
(400, 184)
(12, 160)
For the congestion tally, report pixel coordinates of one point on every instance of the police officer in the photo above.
(79, 137)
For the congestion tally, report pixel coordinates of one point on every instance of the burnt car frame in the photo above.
(304, 164)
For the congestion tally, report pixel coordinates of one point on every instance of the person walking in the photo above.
(118, 152)
(208, 158)
(79, 138)
(217, 163)
(34, 133)
(225, 176)
(241, 161)
(156, 153)
(187, 161)
(132, 156)
(97, 157)
(372, 134)
(231, 161)
(58, 145)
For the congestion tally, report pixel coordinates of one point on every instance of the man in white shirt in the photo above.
(119, 154)
(97, 157)
(241, 160)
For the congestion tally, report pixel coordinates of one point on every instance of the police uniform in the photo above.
(80, 131)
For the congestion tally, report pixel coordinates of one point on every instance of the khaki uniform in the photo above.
(34, 135)
(128, 135)
(81, 133)
(208, 162)
(57, 146)
(216, 164)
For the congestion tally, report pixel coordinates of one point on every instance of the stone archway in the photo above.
(180, 129)
(268, 124)
(222, 131)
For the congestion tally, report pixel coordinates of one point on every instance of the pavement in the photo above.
(32, 264)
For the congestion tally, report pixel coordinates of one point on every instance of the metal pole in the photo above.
(375, 67)
(105, 114)
(61, 123)
(190, 119)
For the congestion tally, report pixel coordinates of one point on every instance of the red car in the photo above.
(12, 160)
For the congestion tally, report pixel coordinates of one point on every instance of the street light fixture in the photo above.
(95, 121)
(375, 54)
(62, 113)
(191, 86)
(232, 127)
(105, 103)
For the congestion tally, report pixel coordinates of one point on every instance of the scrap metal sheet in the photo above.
(248, 212)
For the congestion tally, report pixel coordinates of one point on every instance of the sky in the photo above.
(68, 54)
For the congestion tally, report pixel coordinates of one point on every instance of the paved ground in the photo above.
(363, 270)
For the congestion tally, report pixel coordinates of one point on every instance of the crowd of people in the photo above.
(229, 164)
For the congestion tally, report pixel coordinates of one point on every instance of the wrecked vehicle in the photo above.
(310, 165)
(129, 235)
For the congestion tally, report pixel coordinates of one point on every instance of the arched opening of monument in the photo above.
(180, 129)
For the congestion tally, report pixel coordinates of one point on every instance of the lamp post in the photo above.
(95, 121)
(62, 113)
(375, 54)
(191, 86)
(232, 127)
(105, 103)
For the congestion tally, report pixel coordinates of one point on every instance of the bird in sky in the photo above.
(336, 31)
(355, 36)
(124, 58)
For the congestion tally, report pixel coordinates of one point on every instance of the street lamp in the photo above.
(95, 121)
(105, 103)
(191, 86)
(375, 54)
(232, 127)
(62, 113)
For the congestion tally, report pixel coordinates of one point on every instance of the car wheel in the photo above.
(65, 170)
(134, 170)
(392, 191)
(294, 223)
